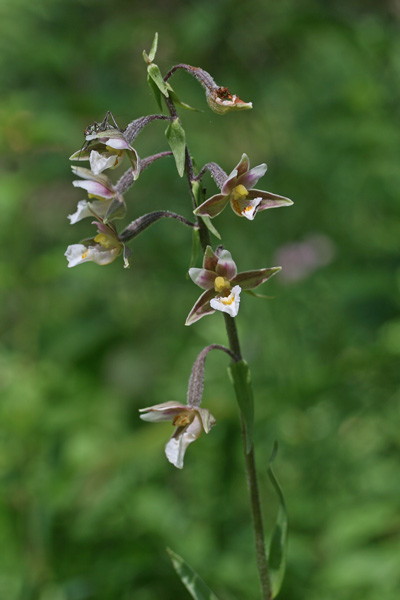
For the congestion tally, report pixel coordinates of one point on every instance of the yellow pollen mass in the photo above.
(181, 420)
(104, 240)
(228, 301)
(84, 255)
(239, 192)
(221, 284)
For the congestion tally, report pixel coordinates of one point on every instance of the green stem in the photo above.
(249, 458)
(252, 481)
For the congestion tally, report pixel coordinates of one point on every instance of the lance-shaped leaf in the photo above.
(152, 54)
(176, 137)
(198, 194)
(208, 223)
(155, 74)
(195, 248)
(239, 374)
(177, 101)
(192, 582)
(156, 92)
(278, 544)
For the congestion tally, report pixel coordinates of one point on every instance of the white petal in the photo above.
(95, 188)
(250, 210)
(228, 304)
(118, 143)
(176, 446)
(99, 162)
(163, 412)
(82, 212)
(77, 254)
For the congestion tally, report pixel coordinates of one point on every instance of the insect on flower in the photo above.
(97, 128)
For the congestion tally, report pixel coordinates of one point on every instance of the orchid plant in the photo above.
(105, 147)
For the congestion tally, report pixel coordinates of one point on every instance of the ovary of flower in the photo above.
(228, 304)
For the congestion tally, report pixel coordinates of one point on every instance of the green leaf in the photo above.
(210, 226)
(157, 94)
(176, 137)
(176, 100)
(153, 48)
(155, 74)
(256, 295)
(239, 374)
(116, 210)
(278, 544)
(198, 193)
(148, 58)
(195, 248)
(192, 582)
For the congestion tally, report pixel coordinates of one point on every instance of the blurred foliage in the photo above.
(88, 501)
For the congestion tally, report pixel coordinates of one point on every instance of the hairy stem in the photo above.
(234, 345)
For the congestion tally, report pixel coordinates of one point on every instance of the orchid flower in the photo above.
(109, 146)
(238, 190)
(223, 284)
(189, 421)
(102, 249)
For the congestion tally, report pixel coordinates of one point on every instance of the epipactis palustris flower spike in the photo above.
(222, 284)
(189, 421)
(238, 190)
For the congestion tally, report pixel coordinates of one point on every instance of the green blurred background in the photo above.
(88, 499)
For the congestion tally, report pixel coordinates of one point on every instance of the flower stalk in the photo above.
(105, 147)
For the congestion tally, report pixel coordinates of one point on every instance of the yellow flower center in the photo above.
(104, 240)
(84, 255)
(182, 420)
(229, 300)
(239, 193)
(115, 151)
(221, 284)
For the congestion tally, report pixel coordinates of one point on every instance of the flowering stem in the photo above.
(252, 482)
(127, 179)
(196, 381)
(234, 345)
(216, 172)
(143, 222)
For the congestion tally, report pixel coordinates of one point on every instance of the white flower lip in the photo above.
(77, 254)
(251, 209)
(82, 212)
(228, 304)
(99, 163)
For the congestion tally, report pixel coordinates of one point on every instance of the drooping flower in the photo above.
(97, 186)
(238, 190)
(109, 146)
(105, 203)
(223, 284)
(102, 249)
(221, 101)
(189, 421)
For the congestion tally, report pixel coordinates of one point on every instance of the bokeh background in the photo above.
(88, 500)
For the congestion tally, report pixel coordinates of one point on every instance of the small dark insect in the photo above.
(103, 126)
(98, 127)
